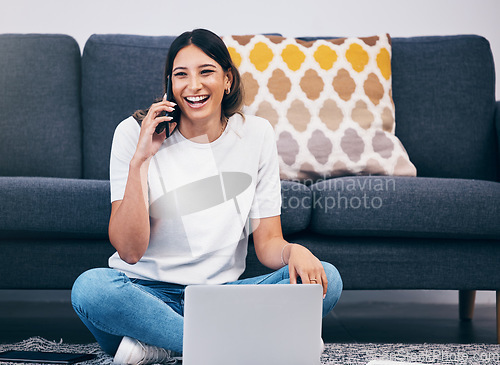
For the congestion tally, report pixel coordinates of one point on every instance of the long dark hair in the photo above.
(213, 46)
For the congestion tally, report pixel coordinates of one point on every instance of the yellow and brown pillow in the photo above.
(329, 101)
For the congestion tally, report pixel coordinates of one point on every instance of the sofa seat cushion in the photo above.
(80, 208)
(54, 208)
(406, 207)
(295, 216)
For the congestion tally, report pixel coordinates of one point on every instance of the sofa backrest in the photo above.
(121, 73)
(40, 106)
(444, 93)
(443, 89)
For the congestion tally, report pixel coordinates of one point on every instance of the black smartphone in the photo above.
(44, 357)
(170, 97)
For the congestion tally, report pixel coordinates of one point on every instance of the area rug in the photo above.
(335, 353)
(442, 354)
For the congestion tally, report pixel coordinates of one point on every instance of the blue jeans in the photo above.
(113, 305)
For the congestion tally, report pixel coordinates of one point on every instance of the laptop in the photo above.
(277, 324)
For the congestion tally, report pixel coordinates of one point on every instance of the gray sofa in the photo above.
(440, 230)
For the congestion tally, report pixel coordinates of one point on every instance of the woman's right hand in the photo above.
(129, 221)
(150, 141)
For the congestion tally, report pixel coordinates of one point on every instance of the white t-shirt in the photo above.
(201, 196)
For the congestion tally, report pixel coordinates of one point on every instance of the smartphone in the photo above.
(44, 357)
(170, 97)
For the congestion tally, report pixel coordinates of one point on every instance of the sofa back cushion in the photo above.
(444, 92)
(40, 106)
(121, 73)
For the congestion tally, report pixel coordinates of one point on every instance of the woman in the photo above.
(168, 223)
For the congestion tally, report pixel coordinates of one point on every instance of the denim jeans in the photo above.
(113, 305)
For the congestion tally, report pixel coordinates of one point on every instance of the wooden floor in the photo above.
(348, 323)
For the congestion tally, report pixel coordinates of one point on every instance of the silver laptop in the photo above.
(252, 324)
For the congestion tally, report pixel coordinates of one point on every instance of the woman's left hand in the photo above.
(274, 252)
(302, 263)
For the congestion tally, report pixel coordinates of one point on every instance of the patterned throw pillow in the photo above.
(329, 101)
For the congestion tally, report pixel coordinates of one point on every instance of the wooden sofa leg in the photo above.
(466, 299)
(498, 317)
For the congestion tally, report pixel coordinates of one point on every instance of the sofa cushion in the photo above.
(54, 208)
(120, 74)
(40, 106)
(295, 216)
(329, 100)
(406, 207)
(444, 91)
(80, 208)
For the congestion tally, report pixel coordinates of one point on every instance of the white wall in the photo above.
(400, 18)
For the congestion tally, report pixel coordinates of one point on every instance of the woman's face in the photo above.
(198, 85)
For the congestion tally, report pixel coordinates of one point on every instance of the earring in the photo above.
(228, 90)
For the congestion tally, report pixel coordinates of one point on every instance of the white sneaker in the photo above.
(134, 352)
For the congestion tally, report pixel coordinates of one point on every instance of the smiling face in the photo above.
(198, 85)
